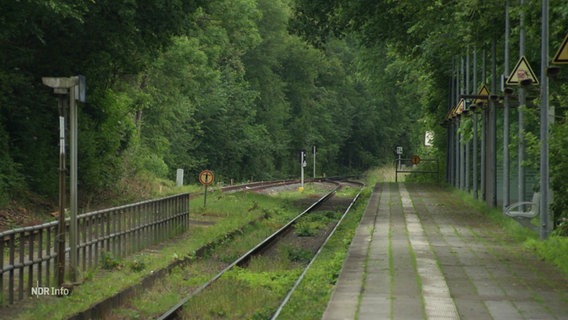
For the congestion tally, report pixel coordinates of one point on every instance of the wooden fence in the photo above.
(28, 255)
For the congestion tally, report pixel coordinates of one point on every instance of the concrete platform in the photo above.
(421, 253)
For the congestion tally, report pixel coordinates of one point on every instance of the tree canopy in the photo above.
(239, 86)
(224, 85)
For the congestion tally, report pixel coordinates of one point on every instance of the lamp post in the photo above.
(74, 87)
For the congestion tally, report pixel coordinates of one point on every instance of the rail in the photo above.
(314, 258)
(28, 255)
(173, 313)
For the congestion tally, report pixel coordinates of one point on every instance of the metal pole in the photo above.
(475, 127)
(544, 174)
(448, 151)
(205, 196)
(483, 133)
(457, 128)
(451, 152)
(457, 136)
(73, 236)
(468, 142)
(506, 174)
(62, 102)
(462, 135)
(522, 103)
(302, 177)
(492, 168)
(475, 155)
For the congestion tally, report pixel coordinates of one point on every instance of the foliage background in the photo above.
(239, 86)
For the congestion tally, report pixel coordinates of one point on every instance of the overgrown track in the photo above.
(175, 311)
(253, 186)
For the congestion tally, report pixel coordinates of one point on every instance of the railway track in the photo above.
(252, 186)
(107, 307)
(19, 273)
(176, 312)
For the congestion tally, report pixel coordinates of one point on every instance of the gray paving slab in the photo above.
(345, 298)
(421, 253)
(375, 307)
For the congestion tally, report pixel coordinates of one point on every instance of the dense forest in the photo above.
(239, 86)
(224, 85)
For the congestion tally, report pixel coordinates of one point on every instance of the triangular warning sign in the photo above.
(484, 91)
(461, 107)
(521, 72)
(561, 56)
(484, 95)
(452, 114)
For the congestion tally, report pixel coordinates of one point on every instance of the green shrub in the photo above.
(137, 265)
(155, 165)
(298, 254)
(308, 228)
(110, 262)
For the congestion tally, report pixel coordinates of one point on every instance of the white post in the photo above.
(314, 152)
(179, 177)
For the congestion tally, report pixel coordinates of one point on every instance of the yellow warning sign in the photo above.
(522, 72)
(452, 114)
(461, 107)
(482, 92)
(561, 56)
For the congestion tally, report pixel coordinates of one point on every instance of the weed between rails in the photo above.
(248, 293)
(256, 291)
(229, 213)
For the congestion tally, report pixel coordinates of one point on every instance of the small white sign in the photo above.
(429, 138)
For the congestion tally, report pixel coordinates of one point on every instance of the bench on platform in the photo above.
(517, 209)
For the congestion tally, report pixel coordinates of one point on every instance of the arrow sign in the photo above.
(561, 56)
(522, 71)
